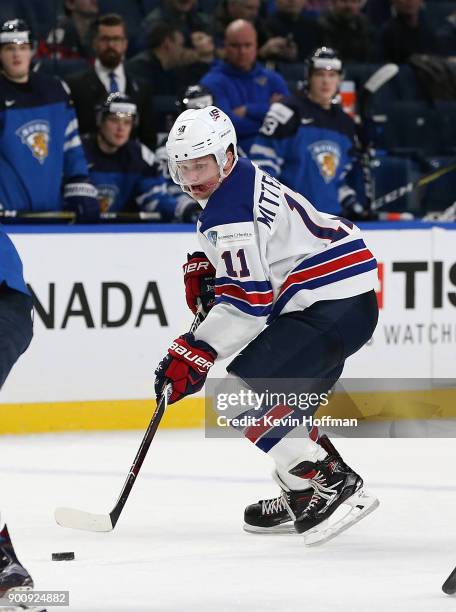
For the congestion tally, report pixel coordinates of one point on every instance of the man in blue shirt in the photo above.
(242, 87)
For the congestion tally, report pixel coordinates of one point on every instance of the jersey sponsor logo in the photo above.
(236, 238)
(36, 135)
(307, 120)
(106, 196)
(326, 154)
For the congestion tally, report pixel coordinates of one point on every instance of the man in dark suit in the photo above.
(108, 75)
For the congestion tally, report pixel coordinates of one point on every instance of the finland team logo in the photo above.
(326, 154)
(107, 195)
(36, 135)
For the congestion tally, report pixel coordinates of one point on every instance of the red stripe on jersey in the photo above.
(252, 297)
(255, 432)
(326, 268)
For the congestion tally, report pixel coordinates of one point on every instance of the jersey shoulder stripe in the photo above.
(232, 202)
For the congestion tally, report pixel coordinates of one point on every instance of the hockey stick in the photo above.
(70, 216)
(88, 521)
(449, 586)
(395, 194)
(364, 142)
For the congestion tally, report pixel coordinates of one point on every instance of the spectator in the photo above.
(72, 38)
(182, 14)
(242, 87)
(407, 32)
(275, 48)
(40, 147)
(166, 64)
(307, 141)
(124, 171)
(109, 75)
(346, 29)
(446, 35)
(289, 21)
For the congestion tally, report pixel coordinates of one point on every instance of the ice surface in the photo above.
(180, 545)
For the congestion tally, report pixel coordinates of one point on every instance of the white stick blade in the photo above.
(78, 519)
(382, 76)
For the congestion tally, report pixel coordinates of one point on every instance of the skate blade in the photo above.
(361, 504)
(285, 529)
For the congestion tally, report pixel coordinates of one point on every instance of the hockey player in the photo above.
(307, 140)
(39, 137)
(195, 96)
(16, 331)
(279, 262)
(125, 173)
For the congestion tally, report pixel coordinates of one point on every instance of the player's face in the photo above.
(323, 85)
(16, 60)
(116, 130)
(201, 176)
(110, 45)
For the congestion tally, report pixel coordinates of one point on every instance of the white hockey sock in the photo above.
(293, 450)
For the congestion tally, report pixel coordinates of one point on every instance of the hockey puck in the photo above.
(63, 556)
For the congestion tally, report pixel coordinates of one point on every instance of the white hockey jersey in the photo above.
(273, 253)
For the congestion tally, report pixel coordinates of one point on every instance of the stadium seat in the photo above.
(391, 173)
(60, 68)
(441, 193)
(438, 10)
(149, 5)
(406, 86)
(293, 72)
(447, 114)
(411, 126)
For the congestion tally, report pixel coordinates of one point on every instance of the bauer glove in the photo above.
(185, 366)
(199, 279)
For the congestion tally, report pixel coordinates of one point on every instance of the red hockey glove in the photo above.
(199, 275)
(186, 366)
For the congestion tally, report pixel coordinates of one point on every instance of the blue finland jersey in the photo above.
(129, 179)
(310, 149)
(39, 143)
(10, 265)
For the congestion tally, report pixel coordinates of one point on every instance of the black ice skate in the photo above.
(13, 575)
(276, 515)
(334, 484)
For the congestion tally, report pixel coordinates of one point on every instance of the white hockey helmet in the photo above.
(199, 132)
